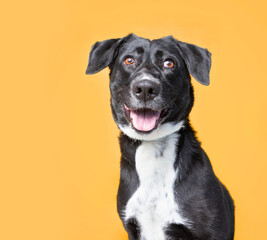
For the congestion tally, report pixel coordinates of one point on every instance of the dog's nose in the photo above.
(145, 90)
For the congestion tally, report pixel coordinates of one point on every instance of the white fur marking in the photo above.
(153, 204)
(146, 76)
(162, 131)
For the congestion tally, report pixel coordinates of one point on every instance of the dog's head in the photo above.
(151, 91)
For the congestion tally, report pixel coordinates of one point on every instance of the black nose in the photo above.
(145, 90)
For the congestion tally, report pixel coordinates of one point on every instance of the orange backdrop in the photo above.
(59, 151)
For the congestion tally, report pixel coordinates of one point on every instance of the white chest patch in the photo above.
(153, 204)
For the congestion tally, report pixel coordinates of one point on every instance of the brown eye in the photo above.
(168, 64)
(129, 61)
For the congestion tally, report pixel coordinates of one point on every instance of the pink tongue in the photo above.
(144, 120)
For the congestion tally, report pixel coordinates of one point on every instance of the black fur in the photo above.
(133, 229)
(203, 199)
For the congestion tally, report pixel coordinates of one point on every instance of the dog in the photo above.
(167, 189)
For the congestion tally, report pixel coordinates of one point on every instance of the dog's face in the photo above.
(151, 91)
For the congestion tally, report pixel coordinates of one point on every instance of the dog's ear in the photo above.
(102, 54)
(197, 60)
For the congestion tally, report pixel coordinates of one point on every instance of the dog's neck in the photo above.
(189, 150)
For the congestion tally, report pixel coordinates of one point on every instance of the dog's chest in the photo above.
(153, 204)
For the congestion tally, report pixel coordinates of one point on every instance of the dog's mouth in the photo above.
(144, 119)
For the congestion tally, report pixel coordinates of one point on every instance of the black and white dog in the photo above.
(167, 189)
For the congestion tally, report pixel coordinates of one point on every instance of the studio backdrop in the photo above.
(59, 152)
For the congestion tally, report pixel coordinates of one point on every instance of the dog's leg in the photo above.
(133, 229)
(179, 232)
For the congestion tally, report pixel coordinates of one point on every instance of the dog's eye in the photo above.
(168, 64)
(129, 61)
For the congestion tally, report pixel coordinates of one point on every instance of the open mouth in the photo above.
(143, 119)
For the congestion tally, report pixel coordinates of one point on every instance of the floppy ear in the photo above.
(197, 60)
(101, 55)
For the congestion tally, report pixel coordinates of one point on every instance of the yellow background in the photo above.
(59, 153)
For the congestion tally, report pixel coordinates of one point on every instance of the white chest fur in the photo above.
(153, 204)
